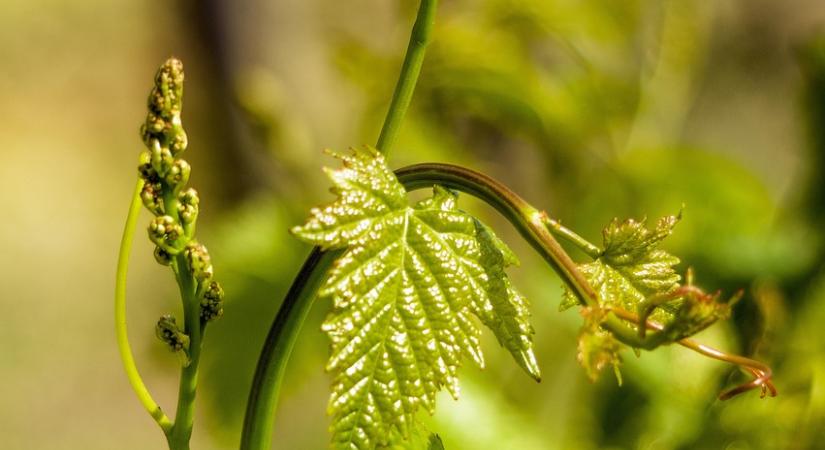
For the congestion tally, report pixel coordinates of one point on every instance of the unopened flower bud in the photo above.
(165, 232)
(162, 256)
(147, 173)
(165, 104)
(177, 140)
(212, 302)
(161, 158)
(151, 197)
(188, 207)
(169, 86)
(169, 333)
(200, 264)
(178, 174)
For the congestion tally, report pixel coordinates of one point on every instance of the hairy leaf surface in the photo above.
(404, 294)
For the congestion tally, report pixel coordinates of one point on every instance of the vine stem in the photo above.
(120, 316)
(266, 385)
(534, 225)
(259, 421)
(410, 69)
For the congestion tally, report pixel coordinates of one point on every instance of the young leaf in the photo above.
(597, 349)
(404, 294)
(631, 267)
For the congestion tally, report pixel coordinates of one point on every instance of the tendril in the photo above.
(762, 373)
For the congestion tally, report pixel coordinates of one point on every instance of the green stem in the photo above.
(263, 398)
(529, 221)
(259, 421)
(568, 235)
(185, 414)
(533, 226)
(411, 68)
(120, 316)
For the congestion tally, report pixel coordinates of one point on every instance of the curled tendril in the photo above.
(697, 311)
(762, 373)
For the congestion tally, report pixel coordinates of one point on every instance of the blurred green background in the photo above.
(588, 108)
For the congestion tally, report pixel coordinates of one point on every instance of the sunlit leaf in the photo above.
(404, 294)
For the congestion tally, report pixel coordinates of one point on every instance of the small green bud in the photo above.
(165, 103)
(169, 84)
(178, 175)
(178, 140)
(148, 173)
(166, 233)
(162, 256)
(169, 333)
(212, 302)
(200, 264)
(152, 128)
(188, 208)
(162, 159)
(151, 197)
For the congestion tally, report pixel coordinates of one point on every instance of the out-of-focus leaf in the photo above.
(597, 349)
(435, 442)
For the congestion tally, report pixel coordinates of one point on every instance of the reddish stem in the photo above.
(762, 373)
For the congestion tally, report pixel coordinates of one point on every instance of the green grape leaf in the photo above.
(632, 267)
(404, 294)
(597, 349)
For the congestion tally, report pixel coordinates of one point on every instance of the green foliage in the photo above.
(404, 294)
(435, 442)
(633, 275)
(631, 267)
(412, 277)
(597, 349)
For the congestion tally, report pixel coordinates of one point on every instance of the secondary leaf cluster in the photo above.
(404, 295)
(631, 267)
(630, 270)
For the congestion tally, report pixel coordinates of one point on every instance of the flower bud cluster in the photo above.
(200, 264)
(175, 206)
(163, 123)
(164, 173)
(169, 333)
(212, 302)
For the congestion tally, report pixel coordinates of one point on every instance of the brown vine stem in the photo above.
(537, 228)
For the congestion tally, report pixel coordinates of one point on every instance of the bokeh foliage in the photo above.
(591, 109)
